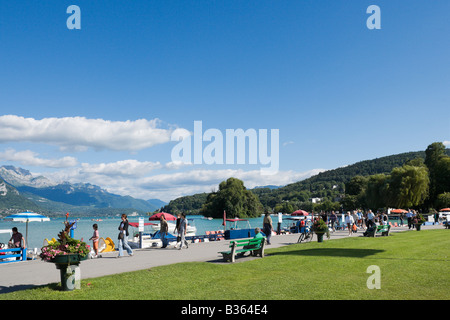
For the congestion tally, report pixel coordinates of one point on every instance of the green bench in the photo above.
(383, 230)
(255, 246)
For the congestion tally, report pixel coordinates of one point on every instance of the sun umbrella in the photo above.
(27, 217)
(167, 216)
(445, 210)
(299, 213)
(399, 211)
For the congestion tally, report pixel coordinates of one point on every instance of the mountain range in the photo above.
(20, 190)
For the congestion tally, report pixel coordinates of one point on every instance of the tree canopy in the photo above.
(235, 199)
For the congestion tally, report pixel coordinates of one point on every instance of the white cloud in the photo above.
(120, 168)
(446, 143)
(79, 133)
(29, 158)
(127, 178)
(287, 143)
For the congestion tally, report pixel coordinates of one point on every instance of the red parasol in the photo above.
(445, 210)
(167, 216)
(299, 213)
(399, 211)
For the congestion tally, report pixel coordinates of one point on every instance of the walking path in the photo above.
(27, 274)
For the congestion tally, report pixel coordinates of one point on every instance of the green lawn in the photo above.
(413, 265)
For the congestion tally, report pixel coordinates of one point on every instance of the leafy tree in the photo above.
(376, 192)
(433, 154)
(408, 186)
(234, 198)
(443, 200)
(442, 175)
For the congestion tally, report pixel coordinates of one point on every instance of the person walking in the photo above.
(370, 219)
(123, 237)
(164, 229)
(95, 237)
(409, 216)
(267, 226)
(182, 232)
(333, 219)
(349, 222)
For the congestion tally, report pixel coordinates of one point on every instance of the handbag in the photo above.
(120, 235)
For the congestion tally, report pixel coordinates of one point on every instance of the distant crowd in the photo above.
(358, 219)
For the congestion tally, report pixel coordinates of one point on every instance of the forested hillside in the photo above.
(328, 186)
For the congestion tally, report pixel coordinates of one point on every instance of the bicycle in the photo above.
(306, 235)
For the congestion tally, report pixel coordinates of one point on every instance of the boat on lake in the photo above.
(238, 229)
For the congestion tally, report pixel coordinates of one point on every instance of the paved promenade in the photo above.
(27, 274)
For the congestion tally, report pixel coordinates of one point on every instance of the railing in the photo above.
(10, 253)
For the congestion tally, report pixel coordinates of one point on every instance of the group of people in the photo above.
(180, 229)
(354, 220)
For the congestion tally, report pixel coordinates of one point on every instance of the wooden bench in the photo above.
(13, 253)
(383, 230)
(255, 246)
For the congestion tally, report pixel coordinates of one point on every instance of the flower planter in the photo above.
(68, 266)
(320, 236)
(418, 225)
(68, 259)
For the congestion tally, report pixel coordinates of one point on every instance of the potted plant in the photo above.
(64, 253)
(320, 228)
(418, 221)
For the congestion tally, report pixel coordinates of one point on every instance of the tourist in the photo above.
(258, 233)
(436, 218)
(360, 219)
(349, 222)
(355, 217)
(163, 230)
(333, 219)
(95, 237)
(409, 217)
(384, 219)
(370, 218)
(401, 219)
(182, 232)
(123, 237)
(267, 226)
(17, 240)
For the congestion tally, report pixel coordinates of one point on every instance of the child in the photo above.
(95, 237)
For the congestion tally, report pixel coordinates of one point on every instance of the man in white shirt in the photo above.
(349, 221)
(409, 216)
(370, 217)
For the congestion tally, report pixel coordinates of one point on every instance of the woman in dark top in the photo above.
(123, 237)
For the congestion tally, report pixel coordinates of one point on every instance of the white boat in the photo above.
(190, 230)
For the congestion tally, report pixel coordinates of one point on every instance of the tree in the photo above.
(376, 192)
(442, 175)
(433, 155)
(443, 200)
(356, 185)
(234, 198)
(407, 186)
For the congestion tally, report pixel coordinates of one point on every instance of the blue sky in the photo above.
(338, 92)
